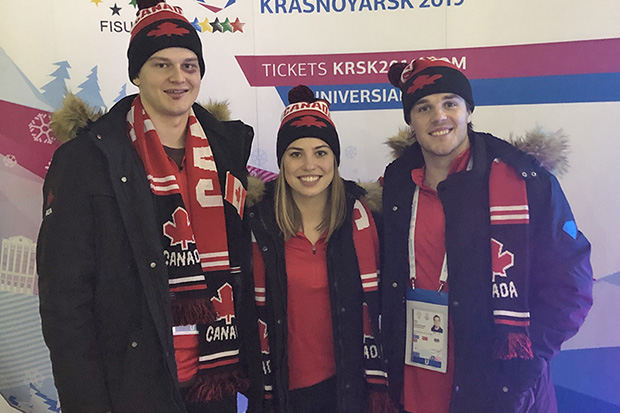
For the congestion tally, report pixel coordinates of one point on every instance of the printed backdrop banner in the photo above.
(551, 65)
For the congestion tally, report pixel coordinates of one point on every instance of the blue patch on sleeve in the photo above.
(570, 227)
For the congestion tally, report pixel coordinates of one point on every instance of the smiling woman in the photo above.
(308, 152)
(315, 266)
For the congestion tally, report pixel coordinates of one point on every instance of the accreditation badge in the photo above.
(427, 329)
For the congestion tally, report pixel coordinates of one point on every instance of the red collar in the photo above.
(458, 164)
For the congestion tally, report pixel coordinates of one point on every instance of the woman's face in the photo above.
(308, 165)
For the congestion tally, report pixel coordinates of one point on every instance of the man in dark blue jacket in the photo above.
(479, 233)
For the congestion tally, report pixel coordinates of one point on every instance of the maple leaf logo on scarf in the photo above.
(168, 29)
(368, 333)
(502, 259)
(179, 230)
(224, 304)
(422, 81)
(309, 121)
(263, 335)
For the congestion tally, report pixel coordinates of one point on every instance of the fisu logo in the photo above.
(216, 5)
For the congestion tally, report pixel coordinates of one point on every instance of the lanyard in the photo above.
(443, 278)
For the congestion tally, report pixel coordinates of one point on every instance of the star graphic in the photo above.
(196, 24)
(116, 10)
(237, 25)
(217, 26)
(133, 3)
(205, 26)
(226, 26)
(96, 2)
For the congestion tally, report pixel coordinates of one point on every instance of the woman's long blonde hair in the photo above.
(288, 215)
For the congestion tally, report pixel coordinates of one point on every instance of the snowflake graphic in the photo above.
(258, 158)
(350, 152)
(40, 129)
(9, 161)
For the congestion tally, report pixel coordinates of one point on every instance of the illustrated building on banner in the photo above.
(18, 265)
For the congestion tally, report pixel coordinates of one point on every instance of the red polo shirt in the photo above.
(427, 391)
(310, 339)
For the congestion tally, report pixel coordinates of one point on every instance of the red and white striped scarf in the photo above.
(199, 269)
(510, 220)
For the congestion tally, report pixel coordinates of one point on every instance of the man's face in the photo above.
(169, 82)
(440, 125)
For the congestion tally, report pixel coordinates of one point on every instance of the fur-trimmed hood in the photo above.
(549, 148)
(75, 114)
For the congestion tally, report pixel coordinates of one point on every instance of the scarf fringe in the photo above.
(187, 312)
(516, 345)
(379, 402)
(216, 386)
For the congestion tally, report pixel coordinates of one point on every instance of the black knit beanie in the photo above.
(158, 26)
(306, 117)
(427, 76)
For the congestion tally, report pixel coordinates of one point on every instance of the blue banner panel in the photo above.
(593, 87)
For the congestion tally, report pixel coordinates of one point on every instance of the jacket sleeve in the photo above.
(66, 268)
(561, 281)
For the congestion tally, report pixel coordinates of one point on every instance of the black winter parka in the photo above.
(103, 282)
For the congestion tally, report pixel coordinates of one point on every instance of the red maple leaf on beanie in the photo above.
(422, 81)
(309, 121)
(168, 29)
